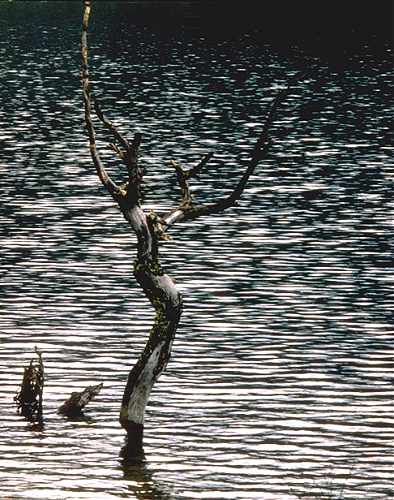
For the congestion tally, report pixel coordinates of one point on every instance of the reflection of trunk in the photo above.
(142, 485)
(166, 300)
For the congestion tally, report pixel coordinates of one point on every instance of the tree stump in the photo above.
(78, 400)
(29, 398)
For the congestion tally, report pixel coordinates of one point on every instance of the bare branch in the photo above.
(193, 172)
(262, 145)
(182, 176)
(109, 184)
(109, 125)
(188, 211)
(259, 152)
(120, 154)
(129, 154)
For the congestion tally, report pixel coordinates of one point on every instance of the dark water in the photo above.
(281, 380)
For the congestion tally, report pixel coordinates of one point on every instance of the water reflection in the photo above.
(140, 482)
(281, 376)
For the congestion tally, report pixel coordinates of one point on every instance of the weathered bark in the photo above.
(150, 229)
(29, 398)
(157, 286)
(75, 404)
(166, 300)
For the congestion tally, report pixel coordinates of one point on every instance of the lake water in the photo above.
(280, 384)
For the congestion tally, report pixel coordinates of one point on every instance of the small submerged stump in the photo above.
(78, 400)
(29, 398)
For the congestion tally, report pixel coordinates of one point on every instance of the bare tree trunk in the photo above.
(166, 300)
(150, 229)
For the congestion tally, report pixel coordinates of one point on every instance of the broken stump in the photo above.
(78, 400)
(29, 398)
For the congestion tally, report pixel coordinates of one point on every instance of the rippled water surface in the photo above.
(280, 384)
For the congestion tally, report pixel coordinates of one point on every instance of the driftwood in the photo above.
(29, 398)
(78, 400)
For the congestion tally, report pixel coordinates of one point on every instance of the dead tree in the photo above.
(150, 229)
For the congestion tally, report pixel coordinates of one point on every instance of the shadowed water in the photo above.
(281, 379)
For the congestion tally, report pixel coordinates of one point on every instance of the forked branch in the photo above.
(184, 175)
(128, 152)
(187, 210)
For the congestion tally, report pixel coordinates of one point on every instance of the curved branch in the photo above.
(189, 211)
(107, 182)
(194, 171)
(262, 145)
(109, 125)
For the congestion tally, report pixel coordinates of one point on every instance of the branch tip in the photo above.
(188, 211)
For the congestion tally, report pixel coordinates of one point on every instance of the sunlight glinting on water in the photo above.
(280, 382)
